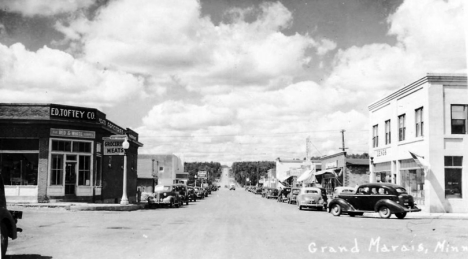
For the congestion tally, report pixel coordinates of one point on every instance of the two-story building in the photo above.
(429, 118)
(163, 168)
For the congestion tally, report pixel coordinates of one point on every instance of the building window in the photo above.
(84, 170)
(459, 118)
(71, 166)
(453, 176)
(56, 170)
(388, 135)
(401, 127)
(98, 178)
(19, 160)
(375, 134)
(161, 169)
(419, 122)
(19, 168)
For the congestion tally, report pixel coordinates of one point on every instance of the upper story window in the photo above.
(375, 136)
(459, 118)
(419, 122)
(401, 127)
(388, 135)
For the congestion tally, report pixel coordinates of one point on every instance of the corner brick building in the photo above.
(51, 152)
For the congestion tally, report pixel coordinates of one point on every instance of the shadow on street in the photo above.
(30, 256)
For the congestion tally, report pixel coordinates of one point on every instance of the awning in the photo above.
(325, 172)
(282, 180)
(306, 175)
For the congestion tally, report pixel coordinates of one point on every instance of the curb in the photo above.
(107, 208)
(84, 207)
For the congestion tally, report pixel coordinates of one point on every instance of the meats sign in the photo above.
(113, 147)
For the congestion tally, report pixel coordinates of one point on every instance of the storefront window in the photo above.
(84, 170)
(56, 170)
(383, 177)
(19, 169)
(68, 154)
(453, 176)
(413, 181)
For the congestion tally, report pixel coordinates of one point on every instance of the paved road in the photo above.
(231, 224)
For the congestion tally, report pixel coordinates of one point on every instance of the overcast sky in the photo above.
(227, 80)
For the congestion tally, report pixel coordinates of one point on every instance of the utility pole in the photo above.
(342, 137)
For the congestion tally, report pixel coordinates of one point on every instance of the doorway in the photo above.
(70, 178)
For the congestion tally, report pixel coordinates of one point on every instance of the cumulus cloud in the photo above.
(430, 38)
(50, 75)
(170, 38)
(44, 7)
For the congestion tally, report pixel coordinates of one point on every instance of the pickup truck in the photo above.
(8, 220)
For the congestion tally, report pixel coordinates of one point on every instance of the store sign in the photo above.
(113, 147)
(381, 152)
(74, 113)
(72, 133)
(331, 165)
(202, 174)
(111, 126)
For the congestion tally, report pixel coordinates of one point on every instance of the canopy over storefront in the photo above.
(284, 180)
(307, 175)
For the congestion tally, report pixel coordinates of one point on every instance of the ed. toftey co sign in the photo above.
(113, 147)
(72, 113)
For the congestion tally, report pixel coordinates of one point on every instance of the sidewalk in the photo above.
(80, 206)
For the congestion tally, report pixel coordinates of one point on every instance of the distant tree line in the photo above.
(251, 170)
(363, 155)
(213, 169)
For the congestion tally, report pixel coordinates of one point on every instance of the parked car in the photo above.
(166, 195)
(311, 197)
(259, 189)
(338, 190)
(182, 189)
(264, 191)
(272, 193)
(199, 192)
(232, 188)
(384, 198)
(191, 194)
(292, 195)
(8, 221)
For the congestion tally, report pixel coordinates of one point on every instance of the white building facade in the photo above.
(429, 118)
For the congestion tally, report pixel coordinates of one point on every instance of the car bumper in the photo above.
(415, 209)
(311, 204)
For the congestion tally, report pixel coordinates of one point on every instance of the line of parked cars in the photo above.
(176, 195)
(384, 198)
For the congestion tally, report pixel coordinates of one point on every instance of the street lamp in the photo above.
(125, 146)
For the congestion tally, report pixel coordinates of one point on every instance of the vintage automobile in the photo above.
(258, 190)
(311, 197)
(168, 195)
(271, 193)
(8, 220)
(293, 195)
(233, 187)
(264, 191)
(342, 189)
(199, 192)
(283, 194)
(191, 194)
(182, 189)
(384, 198)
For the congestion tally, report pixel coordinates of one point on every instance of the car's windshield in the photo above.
(348, 190)
(311, 191)
(162, 188)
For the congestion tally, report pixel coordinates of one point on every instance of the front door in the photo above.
(70, 178)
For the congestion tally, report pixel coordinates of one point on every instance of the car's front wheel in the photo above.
(400, 215)
(4, 235)
(335, 210)
(384, 212)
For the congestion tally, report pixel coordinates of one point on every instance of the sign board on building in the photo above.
(202, 174)
(75, 113)
(333, 164)
(113, 147)
(72, 133)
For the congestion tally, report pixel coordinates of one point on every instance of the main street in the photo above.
(232, 224)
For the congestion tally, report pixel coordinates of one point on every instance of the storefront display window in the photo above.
(19, 169)
(413, 181)
(69, 165)
(453, 176)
